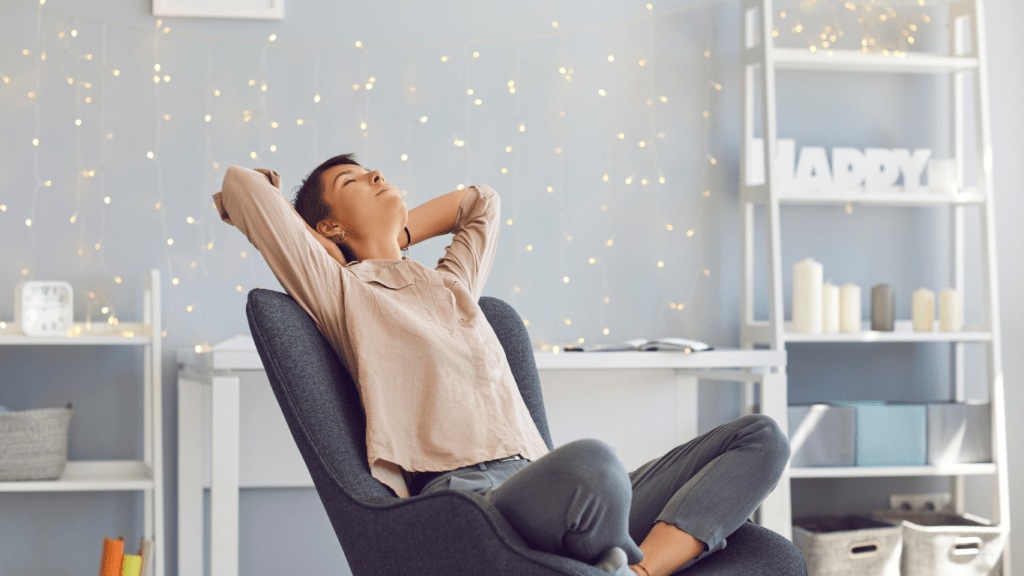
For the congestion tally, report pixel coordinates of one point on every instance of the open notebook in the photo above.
(644, 345)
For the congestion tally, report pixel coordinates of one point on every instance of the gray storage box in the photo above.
(942, 543)
(34, 443)
(959, 432)
(821, 435)
(851, 545)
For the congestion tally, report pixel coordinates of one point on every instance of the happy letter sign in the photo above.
(876, 169)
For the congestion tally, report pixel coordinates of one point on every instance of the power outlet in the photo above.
(938, 502)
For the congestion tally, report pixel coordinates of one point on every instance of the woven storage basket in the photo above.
(851, 545)
(942, 543)
(34, 443)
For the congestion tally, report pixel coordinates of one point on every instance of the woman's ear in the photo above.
(328, 229)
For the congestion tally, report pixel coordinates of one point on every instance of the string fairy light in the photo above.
(702, 270)
(158, 157)
(209, 180)
(562, 88)
(83, 251)
(411, 121)
(29, 271)
(316, 97)
(886, 30)
(517, 195)
(363, 102)
(478, 100)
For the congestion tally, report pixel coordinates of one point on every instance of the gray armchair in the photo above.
(447, 532)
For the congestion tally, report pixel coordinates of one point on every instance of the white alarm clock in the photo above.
(43, 307)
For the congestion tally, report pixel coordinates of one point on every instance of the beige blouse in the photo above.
(433, 378)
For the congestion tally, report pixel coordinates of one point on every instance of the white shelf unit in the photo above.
(757, 52)
(107, 475)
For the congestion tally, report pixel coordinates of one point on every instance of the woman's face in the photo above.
(363, 204)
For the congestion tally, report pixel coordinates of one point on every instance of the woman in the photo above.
(442, 408)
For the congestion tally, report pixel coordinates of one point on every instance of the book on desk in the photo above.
(644, 345)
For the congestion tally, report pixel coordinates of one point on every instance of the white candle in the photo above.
(807, 301)
(924, 310)
(942, 176)
(830, 308)
(951, 310)
(849, 308)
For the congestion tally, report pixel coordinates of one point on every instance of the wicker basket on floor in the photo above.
(34, 443)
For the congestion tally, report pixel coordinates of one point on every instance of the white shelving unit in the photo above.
(966, 26)
(106, 475)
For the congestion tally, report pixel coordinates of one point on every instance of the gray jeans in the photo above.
(579, 501)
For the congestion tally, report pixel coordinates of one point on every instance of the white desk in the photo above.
(219, 449)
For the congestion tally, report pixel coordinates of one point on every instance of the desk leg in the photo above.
(686, 408)
(190, 477)
(224, 477)
(776, 510)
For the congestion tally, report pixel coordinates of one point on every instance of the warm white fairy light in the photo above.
(869, 14)
(645, 140)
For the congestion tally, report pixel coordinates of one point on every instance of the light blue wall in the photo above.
(903, 247)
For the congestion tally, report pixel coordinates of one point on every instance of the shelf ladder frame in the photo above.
(153, 444)
(757, 51)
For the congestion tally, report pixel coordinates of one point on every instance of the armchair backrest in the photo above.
(321, 403)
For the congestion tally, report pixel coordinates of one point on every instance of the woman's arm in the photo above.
(252, 201)
(433, 218)
(324, 241)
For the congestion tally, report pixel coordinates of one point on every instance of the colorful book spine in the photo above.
(146, 551)
(110, 560)
(131, 565)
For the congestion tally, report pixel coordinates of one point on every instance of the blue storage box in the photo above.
(891, 434)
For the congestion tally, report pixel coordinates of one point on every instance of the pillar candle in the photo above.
(849, 308)
(951, 310)
(807, 302)
(883, 307)
(942, 176)
(830, 308)
(924, 309)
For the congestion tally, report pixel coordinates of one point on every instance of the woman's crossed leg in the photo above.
(579, 501)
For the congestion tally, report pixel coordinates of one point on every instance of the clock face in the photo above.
(43, 295)
(45, 307)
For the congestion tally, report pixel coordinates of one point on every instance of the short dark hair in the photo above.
(309, 200)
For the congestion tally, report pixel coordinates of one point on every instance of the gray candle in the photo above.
(883, 307)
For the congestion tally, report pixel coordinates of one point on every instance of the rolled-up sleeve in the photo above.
(252, 201)
(471, 253)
